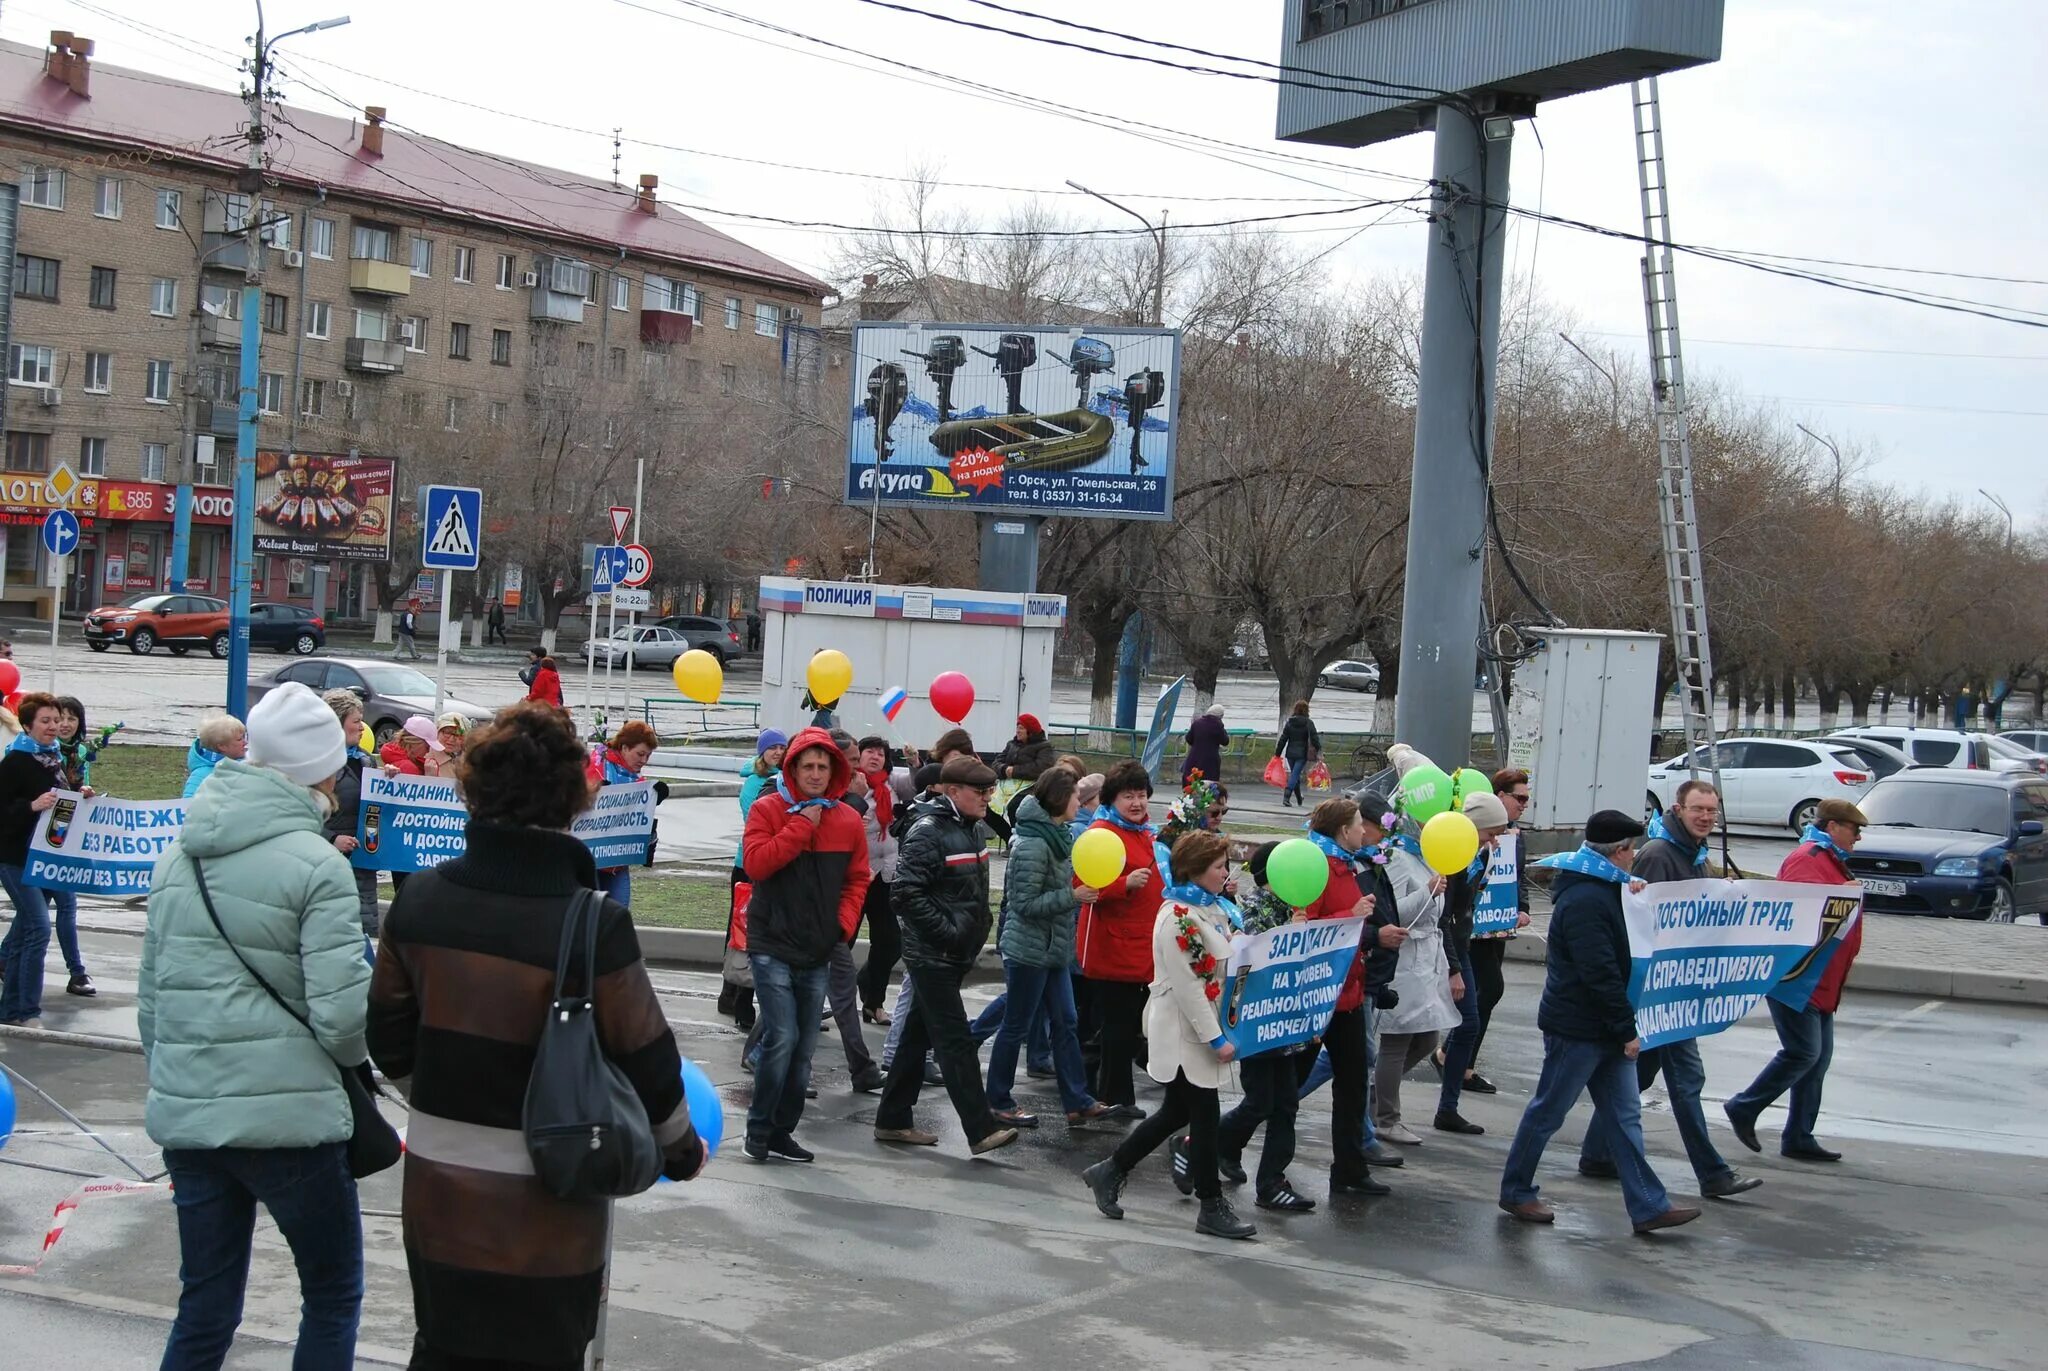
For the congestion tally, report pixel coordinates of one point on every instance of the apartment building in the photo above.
(411, 287)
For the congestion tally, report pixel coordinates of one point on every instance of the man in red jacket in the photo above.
(1806, 1037)
(807, 856)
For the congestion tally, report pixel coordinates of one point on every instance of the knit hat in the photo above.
(1088, 787)
(422, 728)
(1029, 723)
(1485, 810)
(1612, 826)
(294, 733)
(770, 737)
(1214, 711)
(1405, 759)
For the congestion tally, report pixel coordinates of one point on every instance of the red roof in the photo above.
(203, 125)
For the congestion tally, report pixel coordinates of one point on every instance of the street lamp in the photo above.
(1600, 367)
(1829, 444)
(1159, 236)
(2003, 508)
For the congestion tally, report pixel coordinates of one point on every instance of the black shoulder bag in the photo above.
(586, 1127)
(373, 1144)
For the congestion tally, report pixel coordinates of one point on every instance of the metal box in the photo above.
(1580, 722)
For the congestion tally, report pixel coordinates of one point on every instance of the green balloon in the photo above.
(1469, 782)
(1425, 793)
(1297, 873)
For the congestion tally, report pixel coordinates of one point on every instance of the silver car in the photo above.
(391, 691)
(1351, 675)
(650, 645)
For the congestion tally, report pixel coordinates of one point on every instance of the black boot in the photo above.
(1219, 1220)
(1106, 1179)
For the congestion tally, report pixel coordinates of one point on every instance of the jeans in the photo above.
(617, 884)
(1463, 1043)
(1037, 1041)
(1320, 1071)
(1121, 1006)
(938, 1024)
(1684, 1077)
(885, 945)
(1296, 769)
(1806, 1044)
(1188, 1106)
(791, 998)
(841, 992)
(1040, 999)
(310, 1194)
(1271, 1081)
(1572, 1067)
(64, 914)
(905, 1001)
(25, 948)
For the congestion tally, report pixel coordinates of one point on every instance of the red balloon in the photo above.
(13, 699)
(10, 678)
(952, 695)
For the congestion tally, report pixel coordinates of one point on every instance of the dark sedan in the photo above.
(1966, 844)
(287, 628)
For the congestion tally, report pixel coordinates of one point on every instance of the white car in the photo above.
(1950, 748)
(650, 644)
(1770, 782)
(1351, 675)
(2033, 739)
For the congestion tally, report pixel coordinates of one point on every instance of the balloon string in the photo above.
(74, 1120)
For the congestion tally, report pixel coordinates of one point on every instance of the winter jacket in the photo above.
(752, 784)
(1038, 891)
(23, 777)
(227, 1066)
(1670, 859)
(1585, 986)
(1026, 761)
(1422, 970)
(348, 803)
(940, 894)
(394, 754)
(1814, 864)
(809, 878)
(199, 764)
(1181, 1026)
(407, 623)
(1206, 739)
(546, 687)
(882, 844)
(1113, 938)
(1299, 739)
(1337, 901)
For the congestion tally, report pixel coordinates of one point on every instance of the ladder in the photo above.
(1684, 570)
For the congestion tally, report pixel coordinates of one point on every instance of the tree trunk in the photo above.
(1202, 676)
(1788, 700)
(1859, 693)
(1770, 701)
(1105, 630)
(1734, 687)
(1828, 696)
(1386, 654)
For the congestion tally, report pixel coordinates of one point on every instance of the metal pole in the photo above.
(604, 1294)
(441, 646)
(245, 433)
(633, 615)
(57, 560)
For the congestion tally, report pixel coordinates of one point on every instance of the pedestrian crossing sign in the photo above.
(452, 525)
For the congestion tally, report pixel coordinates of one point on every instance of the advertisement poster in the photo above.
(410, 823)
(319, 505)
(1282, 986)
(101, 845)
(1006, 417)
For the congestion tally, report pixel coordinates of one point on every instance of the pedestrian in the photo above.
(534, 657)
(76, 753)
(736, 988)
(1299, 744)
(884, 940)
(1206, 739)
(505, 1273)
(1189, 1055)
(31, 772)
(842, 979)
(1806, 1035)
(941, 899)
(924, 782)
(406, 753)
(1028, 753)
(405, 627)
(494, 620)
(1426, 986)
(1461, 894)
(219, 735)
(546, 685)
(620, 762)
(341, 825)
(753, 632)
(808, 860)
(1676, 850)
(450, 731)
(1589, 1030)
(1113, 937)
(251, 990)
(1489, 953)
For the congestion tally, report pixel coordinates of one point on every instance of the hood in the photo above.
(842, 774)
(244, 805)
(1927, 845)
(1680, 837)
(197, 756)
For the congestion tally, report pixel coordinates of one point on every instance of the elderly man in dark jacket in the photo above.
(1589, 1030)
(941, 902)
(1677, 851)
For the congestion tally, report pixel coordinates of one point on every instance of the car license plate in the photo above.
(1878, 886)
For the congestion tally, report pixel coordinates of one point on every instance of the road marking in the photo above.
(1917, 1011)
(975, 1328)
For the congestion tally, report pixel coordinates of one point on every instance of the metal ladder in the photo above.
(1684, 569)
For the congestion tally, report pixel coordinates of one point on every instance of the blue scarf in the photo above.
(1331, 846)
(1586, 862)
(1659, 829)
(1110, 816)
(1407, 844)
(797, 806)
(1193, 894)
(23, 743)
(1812, 833)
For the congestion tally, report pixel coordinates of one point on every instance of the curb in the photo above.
(699, 948)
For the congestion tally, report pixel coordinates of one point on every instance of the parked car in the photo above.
(1961, 843)
(1351, 675)
(1772, 782)
(288, 628)
(392, 693)
(2033, 739)
(713, 635)
(1950, 748)
(1882, 758)
(650, 645)
(179, 622)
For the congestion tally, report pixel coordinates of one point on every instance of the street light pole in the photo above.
(1159, 237)
(1829, 444)
(1612, 381)
(2003, 508)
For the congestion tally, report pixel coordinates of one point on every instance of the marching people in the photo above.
(348, 799)
(505, 1273)
(221, 735)
(1511, 785)
(1027, 755)
(31, 771)
(842, 980)
(924, 783)
(736, 990)
(75, 753)
(1206, 739)
(1299, 744)
(250, 1001)
(1806, 1036)
(620, 762)
(1676, 850)
(546, 685)
(1113, 939)
(1426, 986)
(884, 940)
(1589, 1031)
(1190, 945)
(406, 752)
(1490, 817)
(941, 899)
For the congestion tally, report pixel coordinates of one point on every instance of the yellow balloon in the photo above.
(699, 676)
(1449, 843)
(829, 675)
(367, 740)
(1098, 858)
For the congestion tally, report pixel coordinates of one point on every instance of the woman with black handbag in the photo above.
(250, 1001)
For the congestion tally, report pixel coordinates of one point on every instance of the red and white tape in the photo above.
(91, 1190)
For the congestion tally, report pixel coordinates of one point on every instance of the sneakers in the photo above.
(1398, 1133)
(756, 1150)
(1284, 1200)
(81, 985)
(1107, 1183)
(916, 1137)
(1183, 1166)
(1479, 1085)
(782, 1145)
(1451, 1121)
(1219, 1220)
(1002, 1137)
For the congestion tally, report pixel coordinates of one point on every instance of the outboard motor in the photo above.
(1015, 354)
(947, 356)
(1087, 359)
(1143, 390)
(888, 388)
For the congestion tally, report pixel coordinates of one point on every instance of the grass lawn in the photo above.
(679, 901)
(134, 771)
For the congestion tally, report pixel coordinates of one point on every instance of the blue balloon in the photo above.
(6, 1107)
(707, 1112)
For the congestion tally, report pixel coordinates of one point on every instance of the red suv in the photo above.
(179, 622)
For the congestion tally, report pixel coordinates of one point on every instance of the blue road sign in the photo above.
(452, 527)
(60, 532)
(609, 567)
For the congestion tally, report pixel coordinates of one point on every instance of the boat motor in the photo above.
(1015, 354)
(888, 387)
(1087, 359)
(947, 356)
(1143, 390)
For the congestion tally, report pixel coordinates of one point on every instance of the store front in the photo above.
(24, 504)
(136, 533)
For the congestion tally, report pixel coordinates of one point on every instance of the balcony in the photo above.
(665, 326)
(217, 331)
(226, 251)
(376, 358)
(552, 306)
(220, 418)
(373, 277)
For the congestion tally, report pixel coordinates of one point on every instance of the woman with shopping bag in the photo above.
(1299, 744)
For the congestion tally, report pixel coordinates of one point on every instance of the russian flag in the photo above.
(893, 701)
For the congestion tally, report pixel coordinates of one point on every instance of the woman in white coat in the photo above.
(1424, 981)
(1187, 1052)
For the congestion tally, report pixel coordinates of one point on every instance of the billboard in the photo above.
(320, 505)
(1014, 418)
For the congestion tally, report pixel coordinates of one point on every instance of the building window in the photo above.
(372, 242)
(43, 187)
(92, 453)
(454, 424)
(458, 341)
(617, 369)
(693, 374)
(31, 366)
(465, 264)
(372, 325)
(276, 313)
(590, 288)
(235, 212)
(28, 452)
(317, 318)
(501, 347)
(621, 291)
(422, 257)
(732, 311)
(413, 329)
(156, 383)
(277, 227)
(693, 303)
(495, 415)
(728, 378)
(222, 302)
(163, 296)
(767, 319)
(586, 359)
(102, 288)
(154, 458)
(270, 393)
(106, 200)
(99, 372)
(412, 407)
(320, 237)
(312, 398)
(170, 209)
(508, 271)
(35, 278)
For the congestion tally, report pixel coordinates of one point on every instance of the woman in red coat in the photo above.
(547, 684)
(1113, 939)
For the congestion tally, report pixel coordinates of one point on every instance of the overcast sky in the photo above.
(1892, 132)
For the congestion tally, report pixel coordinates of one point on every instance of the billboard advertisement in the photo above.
(1014, 418)
(320, 505)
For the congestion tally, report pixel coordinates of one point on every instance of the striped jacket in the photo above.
(940, 894)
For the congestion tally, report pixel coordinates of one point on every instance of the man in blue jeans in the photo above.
(1589, 1030)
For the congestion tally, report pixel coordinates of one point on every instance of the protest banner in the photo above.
(1703, 953)
(411, 823)
(1282, 985)
(1836, 920)
(101, 845)
(619, 826)
(1496, 910)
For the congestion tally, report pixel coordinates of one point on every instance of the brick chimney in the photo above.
(643, 199)
(70, 60)
(373, 130)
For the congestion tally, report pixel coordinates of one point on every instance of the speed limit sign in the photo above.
(639, 565)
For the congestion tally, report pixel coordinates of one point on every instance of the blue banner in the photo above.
(1497, 909)
(410, 823)
(1282, 986)
(101, 845)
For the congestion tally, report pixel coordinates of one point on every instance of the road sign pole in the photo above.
(441, 645)
(56, 609)
(633, 615)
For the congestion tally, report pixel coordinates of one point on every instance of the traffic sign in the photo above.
(60, 485)
(607, 568)
(452, 527)
(639, 566)
(60, 532)
(633, 601)
(621, 516)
